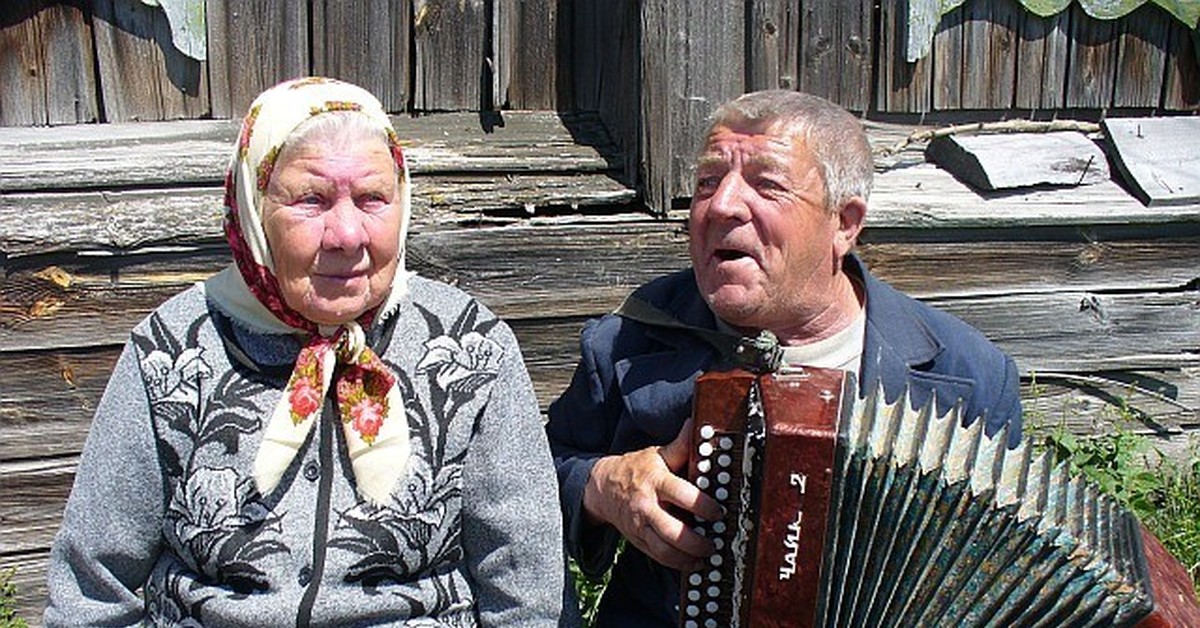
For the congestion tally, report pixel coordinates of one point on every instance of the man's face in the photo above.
(761, 240)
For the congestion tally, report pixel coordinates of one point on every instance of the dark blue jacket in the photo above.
(633, 388)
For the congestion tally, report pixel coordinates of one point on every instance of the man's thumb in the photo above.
(675, 453)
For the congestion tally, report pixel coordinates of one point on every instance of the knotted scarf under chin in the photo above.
(368, 404)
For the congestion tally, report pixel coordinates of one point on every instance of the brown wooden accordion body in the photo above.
(847, 511)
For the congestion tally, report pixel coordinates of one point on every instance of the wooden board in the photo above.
(990, 53)
(604, 52)
(1158, 157)
(708, 38)
(197, 152)
(903, 86)
(145, 78)
(986, 162)
(773, 31)
(1042, 46)
(450, 56)
(835, 52)
(1092, 61)
(252, 45)
(48, 67)
(1182, 90)
(365, 43)
(1141, 58)
(531, 71)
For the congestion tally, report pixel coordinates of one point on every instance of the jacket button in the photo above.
(312, 471)
(305, 576)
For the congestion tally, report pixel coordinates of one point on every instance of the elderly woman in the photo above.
(314, 435)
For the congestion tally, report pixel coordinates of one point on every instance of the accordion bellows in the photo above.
(849, 511)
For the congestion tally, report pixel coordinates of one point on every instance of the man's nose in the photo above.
(730, 200)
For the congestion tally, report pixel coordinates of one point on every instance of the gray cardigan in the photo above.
(164, 501)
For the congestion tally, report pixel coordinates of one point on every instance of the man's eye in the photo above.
(769, 185)
(372, 202)
(708, 182)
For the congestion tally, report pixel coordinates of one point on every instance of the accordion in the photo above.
(849, 511)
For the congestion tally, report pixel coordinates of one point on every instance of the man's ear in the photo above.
(851, 218)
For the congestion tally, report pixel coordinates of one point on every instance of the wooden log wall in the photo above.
(1095, 295)
(650, 68)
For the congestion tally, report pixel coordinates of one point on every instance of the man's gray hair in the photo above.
(834, 136)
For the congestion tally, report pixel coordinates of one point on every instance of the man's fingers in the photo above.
(667, 540)
(684, 494)
(675, 453)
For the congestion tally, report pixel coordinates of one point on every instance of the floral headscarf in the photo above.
(371, 408)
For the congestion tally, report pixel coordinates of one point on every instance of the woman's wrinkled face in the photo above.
(332, 217)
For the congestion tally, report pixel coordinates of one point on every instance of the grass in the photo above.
(8, 602)
(1163, 495)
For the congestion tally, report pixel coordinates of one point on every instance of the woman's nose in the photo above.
(344, 227)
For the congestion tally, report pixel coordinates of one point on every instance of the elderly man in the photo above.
(781, 195)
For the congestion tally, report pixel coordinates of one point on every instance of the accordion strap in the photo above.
(760, 354)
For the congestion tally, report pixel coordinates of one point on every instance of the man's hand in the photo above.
(631, 491)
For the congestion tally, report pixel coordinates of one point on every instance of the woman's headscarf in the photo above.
(371, 408)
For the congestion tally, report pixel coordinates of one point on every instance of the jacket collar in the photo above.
(897, 339)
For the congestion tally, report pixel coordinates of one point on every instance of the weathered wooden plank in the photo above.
(903, 86)
(990, 53)
(365, 43)
(252, 45)
(1158, 157)
(1088, 331)
(948, 59)
(1092, 61)
(835, 49)
(1162, 403)
(1007, 264)
(47, 68)
(23, 99)
(143, 76)
(1141, 57)
(1042, 60)
(197, 152)
(605, 59)
(101, 221)
(528, 40)
(524, 273)
(587, 268)
(30, 581)
(450, 55)
(774, 36)
(1182, 80)
(986, 161)
(57, 420)
(924, 195)
(32, 496)
(709, 39)
(47, 400)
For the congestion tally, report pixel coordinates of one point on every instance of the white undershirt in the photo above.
(842, 350)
